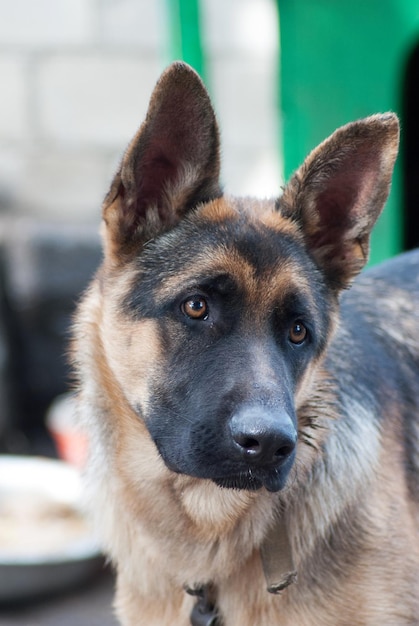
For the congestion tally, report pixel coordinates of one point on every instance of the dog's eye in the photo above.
(297, 332)
(196, 308)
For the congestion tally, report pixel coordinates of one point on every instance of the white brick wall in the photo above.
(127, 23)
(76, 76)
(65, 185)
(94, 99)
(45, 23)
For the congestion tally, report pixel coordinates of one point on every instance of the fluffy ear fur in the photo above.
(340, 190)
(171, 165)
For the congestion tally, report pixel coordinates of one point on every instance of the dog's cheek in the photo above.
(182, 415)
(133, 351)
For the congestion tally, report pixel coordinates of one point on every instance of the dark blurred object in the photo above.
(8, 361)
(43, 268)
(91, 605)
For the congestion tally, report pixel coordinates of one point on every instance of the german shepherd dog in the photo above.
(253, 425)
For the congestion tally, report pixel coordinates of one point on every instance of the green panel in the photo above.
(185, 33)
(341, 60)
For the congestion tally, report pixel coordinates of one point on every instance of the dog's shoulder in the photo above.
(387, 296)
(400, 272)
(379, 323)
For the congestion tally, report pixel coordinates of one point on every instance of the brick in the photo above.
(13, 118)
(44, 23)
(67, 186)
(244, 96)
(95, 100)
(240, 26)
(135, 23)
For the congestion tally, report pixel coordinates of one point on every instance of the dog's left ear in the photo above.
(171, 165)
(338, 193)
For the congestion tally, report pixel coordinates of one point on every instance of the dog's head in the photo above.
(216, 310)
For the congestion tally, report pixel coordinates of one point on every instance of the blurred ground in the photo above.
(90, 606)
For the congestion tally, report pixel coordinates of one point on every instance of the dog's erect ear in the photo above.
(338, 193)
(171, 165)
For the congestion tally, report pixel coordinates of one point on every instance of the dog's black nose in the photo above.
(263, 437)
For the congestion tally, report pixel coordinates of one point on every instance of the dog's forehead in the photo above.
(246, 241)
(246, 212)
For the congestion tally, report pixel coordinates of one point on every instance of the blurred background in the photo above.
(75, 80)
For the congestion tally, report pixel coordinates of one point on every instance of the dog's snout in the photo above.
(263, 437)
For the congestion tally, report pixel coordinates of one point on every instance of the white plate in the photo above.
(57, 554)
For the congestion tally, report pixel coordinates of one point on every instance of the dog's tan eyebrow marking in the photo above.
(260, 291)
(213, 264)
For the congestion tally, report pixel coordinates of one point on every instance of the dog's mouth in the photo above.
(253, 480)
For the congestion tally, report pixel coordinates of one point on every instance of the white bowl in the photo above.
(45, 542)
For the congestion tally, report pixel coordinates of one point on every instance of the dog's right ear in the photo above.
(170, 167)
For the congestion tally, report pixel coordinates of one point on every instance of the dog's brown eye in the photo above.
(298, 332)
(196, 308)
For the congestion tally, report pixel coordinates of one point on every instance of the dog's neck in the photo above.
(278, 568)
(276, 558)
